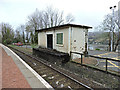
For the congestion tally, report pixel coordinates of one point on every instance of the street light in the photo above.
(112, 31)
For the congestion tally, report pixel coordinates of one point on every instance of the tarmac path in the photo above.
(112, 65)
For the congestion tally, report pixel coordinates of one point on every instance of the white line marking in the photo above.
(33, 71)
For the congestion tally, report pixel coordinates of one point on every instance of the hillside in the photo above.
(98, 38)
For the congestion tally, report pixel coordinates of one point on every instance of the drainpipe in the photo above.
(86, 40)
(54, 39)
(69, 39)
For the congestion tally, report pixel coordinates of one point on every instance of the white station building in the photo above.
(64, 38)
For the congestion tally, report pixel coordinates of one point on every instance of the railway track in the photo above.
(54, 77)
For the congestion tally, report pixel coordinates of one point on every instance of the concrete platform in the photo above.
(32, 77)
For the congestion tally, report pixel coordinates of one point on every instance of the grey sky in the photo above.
(86, 12)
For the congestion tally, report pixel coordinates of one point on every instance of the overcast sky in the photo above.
(86, 12)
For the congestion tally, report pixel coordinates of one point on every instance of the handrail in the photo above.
(106, 61)
(97, 57)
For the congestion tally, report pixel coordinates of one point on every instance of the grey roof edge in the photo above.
(64, 25)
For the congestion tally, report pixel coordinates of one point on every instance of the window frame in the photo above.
(62, 39)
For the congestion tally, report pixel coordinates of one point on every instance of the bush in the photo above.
(7, 41)
(97, 49)
(34, 45)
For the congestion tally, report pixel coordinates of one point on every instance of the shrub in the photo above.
(97, 49)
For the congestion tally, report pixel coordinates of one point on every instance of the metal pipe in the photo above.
(81, 59)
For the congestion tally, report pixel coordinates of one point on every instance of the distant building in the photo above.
(64, 38)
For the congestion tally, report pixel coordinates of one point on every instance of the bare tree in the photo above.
(18, 37)
(117, 29)
(21, 30)
(108, 27)
(52, 17)
(69, 18)
(0, 36)
(27, 30)
(34, 23)
(44, 19)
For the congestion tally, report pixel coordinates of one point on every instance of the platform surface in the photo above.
(17, 74)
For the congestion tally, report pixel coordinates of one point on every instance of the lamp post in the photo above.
(112, 29)
(119, 26)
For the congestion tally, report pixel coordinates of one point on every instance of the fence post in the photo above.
(70, 55)
(106, 65)
(81, 58)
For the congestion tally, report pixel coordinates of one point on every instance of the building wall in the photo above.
(78, 41)
(46, 33)
(64, 47)
(73, 39)
(42, 39)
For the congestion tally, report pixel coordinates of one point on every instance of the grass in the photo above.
(27, 50)
(34, 45)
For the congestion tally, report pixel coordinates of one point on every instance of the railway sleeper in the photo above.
(45, 71)
(56, 76)
(54, 80)
(41, 69)
(64, 85)
(46, 75)
(38, 67)
(49, 78)
(51, 74)
(64, 82)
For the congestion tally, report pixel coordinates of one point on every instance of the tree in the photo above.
(0, 36)
(69, 18)
(34, 23)
(107, 26)
(44, 19)
(18, 37)
(27, 30)
(52, 17)
(7, 33)
(21, 29)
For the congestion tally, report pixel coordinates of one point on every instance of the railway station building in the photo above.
(65, 38)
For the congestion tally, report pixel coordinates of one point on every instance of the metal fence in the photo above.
(95, 67)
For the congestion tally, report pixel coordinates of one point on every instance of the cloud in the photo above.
(85, 11)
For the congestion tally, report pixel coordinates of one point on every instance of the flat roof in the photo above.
(63, 26)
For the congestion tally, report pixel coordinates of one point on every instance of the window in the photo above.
(60, 38)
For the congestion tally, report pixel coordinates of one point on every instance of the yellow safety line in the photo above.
(109, 66)
(114, 64)
(113, 52)
(107, 57)
(116, 58)
(102, 61)
(109, 61)
(103, 54)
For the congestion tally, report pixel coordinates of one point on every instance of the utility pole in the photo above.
(112, 29)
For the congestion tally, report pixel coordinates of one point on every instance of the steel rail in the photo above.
(80, 83)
